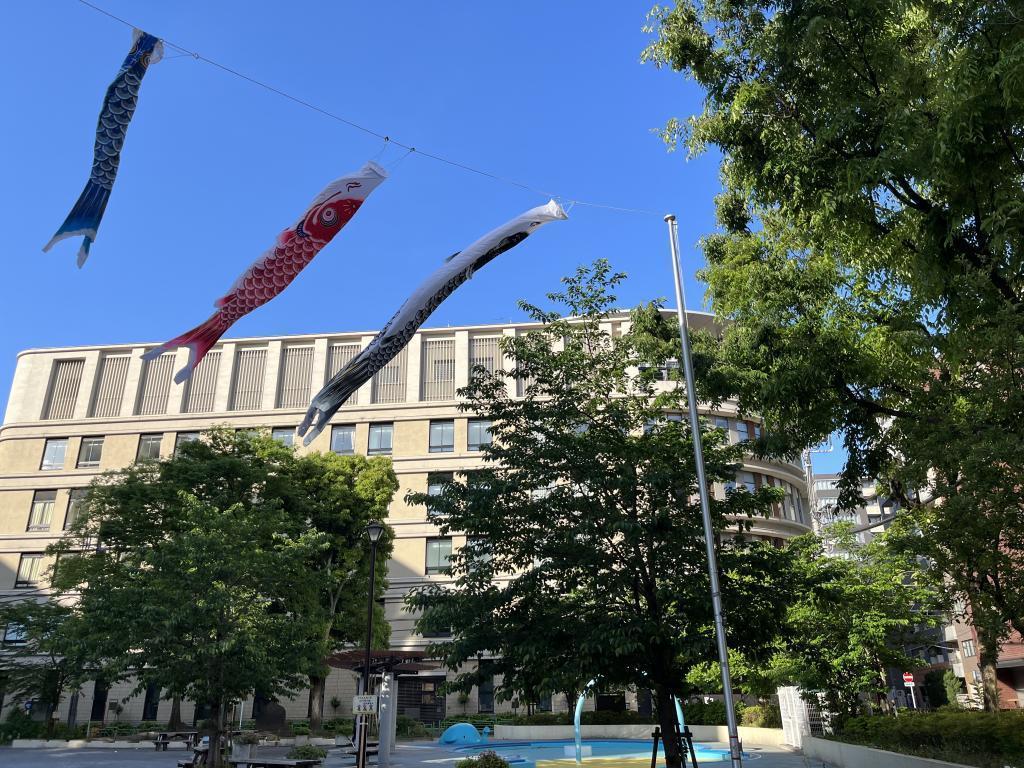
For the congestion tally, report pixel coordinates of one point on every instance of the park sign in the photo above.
(364, 704)
(908, 679)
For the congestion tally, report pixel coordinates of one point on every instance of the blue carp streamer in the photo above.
(118, 108)
(456, 270)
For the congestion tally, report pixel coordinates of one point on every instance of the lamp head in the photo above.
(374, 529)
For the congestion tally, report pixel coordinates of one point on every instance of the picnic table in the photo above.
(271, 762)
(164, 738)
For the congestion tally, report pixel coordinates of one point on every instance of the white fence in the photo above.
(800, 717)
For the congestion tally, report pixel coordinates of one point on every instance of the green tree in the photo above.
(340, 495)
(869, 255)
(585, 553)
(43, 658)
(954, 687)
(855, 611)
(194, 571)
(758, 679)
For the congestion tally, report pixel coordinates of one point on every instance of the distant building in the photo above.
(869, 517)
(77, 411)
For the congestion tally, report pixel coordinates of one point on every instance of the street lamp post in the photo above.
(735, 748)
(373, 531)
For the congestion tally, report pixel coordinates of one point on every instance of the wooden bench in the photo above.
(164, 739)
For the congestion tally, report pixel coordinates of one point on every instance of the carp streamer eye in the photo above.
(328, 217)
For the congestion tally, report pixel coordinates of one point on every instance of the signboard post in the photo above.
(364, 704)
(908, 681)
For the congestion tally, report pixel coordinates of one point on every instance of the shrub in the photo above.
(613, 718)
(487, 759)
(762, 716)
(698, 712)
(409, 728)
(339, 725)
(307, 752)
(544, 718)
(987, 739)
(247, 737)
(20, 725)
(300, 728)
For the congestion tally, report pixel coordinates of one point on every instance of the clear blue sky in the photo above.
(213, 168)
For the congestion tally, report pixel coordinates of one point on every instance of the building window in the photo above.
(53, 453)
(151, 704)
(439, 551)
(247, 392)
(436, 482)
(149, 447)
(481, 547)
(14, 634)
(28, 571)
(156, 385)
(338, 356)
(484, 354)
(746, 479)
(184, 437)
(438, 368)
(967, 646)
(757, 431)
(75, 498)
(110, 381)
(722, 423)
(63, 392)
(90, 452)
(485, 695)
(41, 514)
(388, 384)
(295, 376)
(741, 430)
(201, 386)
(442, 436)
(544, 704)
(380, 438)
(976, 675)
(479, 434)
(343, 439)
(283, 435)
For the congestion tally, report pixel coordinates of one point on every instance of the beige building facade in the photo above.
(75, 412)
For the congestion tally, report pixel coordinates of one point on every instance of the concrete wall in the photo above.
(765, 737)
(843, 755)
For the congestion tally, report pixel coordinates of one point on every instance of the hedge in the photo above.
(696, 713)
(986, 739)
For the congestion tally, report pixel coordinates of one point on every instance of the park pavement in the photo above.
(409, 755)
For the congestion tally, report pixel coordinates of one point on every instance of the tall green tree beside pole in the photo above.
(194, 570)
(585, 553)
(869, 256)
(339, 496)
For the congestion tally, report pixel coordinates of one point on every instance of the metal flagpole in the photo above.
(735, 748)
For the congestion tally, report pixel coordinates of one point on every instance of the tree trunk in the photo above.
(73, 708)
(669, 726)
(316, 703)
(990, 686)
(220, 720)
(175, 723)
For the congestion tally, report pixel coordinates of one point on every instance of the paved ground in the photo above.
(409, 755)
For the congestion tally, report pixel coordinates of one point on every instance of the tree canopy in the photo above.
(585, 551)
(869, 252)
(215, 573)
